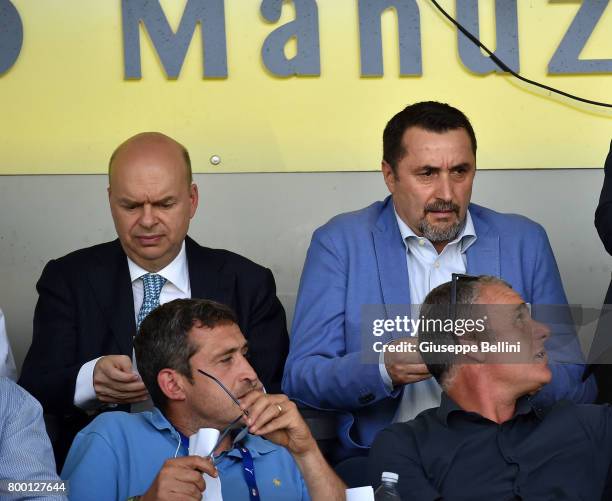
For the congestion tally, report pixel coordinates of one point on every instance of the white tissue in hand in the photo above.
(201, 444)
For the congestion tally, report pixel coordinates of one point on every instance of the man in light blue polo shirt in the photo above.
(192, 359)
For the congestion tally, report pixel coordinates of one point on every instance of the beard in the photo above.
(438, 233)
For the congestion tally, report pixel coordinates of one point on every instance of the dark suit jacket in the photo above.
(603, 214)
(85, 310)
(602, 345)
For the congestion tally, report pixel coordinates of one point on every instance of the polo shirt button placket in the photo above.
(521, 479)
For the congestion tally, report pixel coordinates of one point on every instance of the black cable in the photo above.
(506, 68)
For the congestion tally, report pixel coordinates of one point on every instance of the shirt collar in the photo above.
(175, 272)
(255, 444)
(159, 421)
(448, 406)
(466, 237)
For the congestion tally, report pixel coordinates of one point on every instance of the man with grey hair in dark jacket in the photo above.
(487, 439)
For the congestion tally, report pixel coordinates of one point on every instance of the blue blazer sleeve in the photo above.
(565, 355)
(322, 370)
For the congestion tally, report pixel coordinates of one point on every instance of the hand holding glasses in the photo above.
(233, 423)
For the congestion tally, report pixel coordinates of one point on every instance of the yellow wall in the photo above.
(65, 104)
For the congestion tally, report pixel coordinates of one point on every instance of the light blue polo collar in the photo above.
(256, 445)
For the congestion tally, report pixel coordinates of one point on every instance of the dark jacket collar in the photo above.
(209, 278)
(109, 278)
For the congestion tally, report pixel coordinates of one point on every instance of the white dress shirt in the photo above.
(177, 286)
(426, 270)
(7, 362)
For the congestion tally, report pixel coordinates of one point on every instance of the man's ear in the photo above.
(475, 355)
(171, 384)
(388, 175)
(194, 198)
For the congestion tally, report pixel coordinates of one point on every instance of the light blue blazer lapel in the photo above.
(483, 255)
(391, 259)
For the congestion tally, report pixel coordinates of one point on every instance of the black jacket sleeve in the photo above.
(50, 369)
(603, 213)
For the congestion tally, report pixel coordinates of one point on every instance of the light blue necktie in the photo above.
(153, 284)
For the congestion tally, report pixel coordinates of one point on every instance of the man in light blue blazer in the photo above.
(365, 263)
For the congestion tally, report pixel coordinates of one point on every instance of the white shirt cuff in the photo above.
(7, 362)
(383, 372)
(84, 392)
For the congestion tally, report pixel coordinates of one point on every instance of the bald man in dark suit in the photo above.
(92, 301)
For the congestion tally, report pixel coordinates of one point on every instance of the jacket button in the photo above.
(366, 399)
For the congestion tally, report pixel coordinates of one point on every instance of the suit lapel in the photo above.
(391, 259)
(483, 256)
(207, 279)
(109, 278)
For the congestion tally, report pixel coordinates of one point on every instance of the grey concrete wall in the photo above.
(270, 218)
